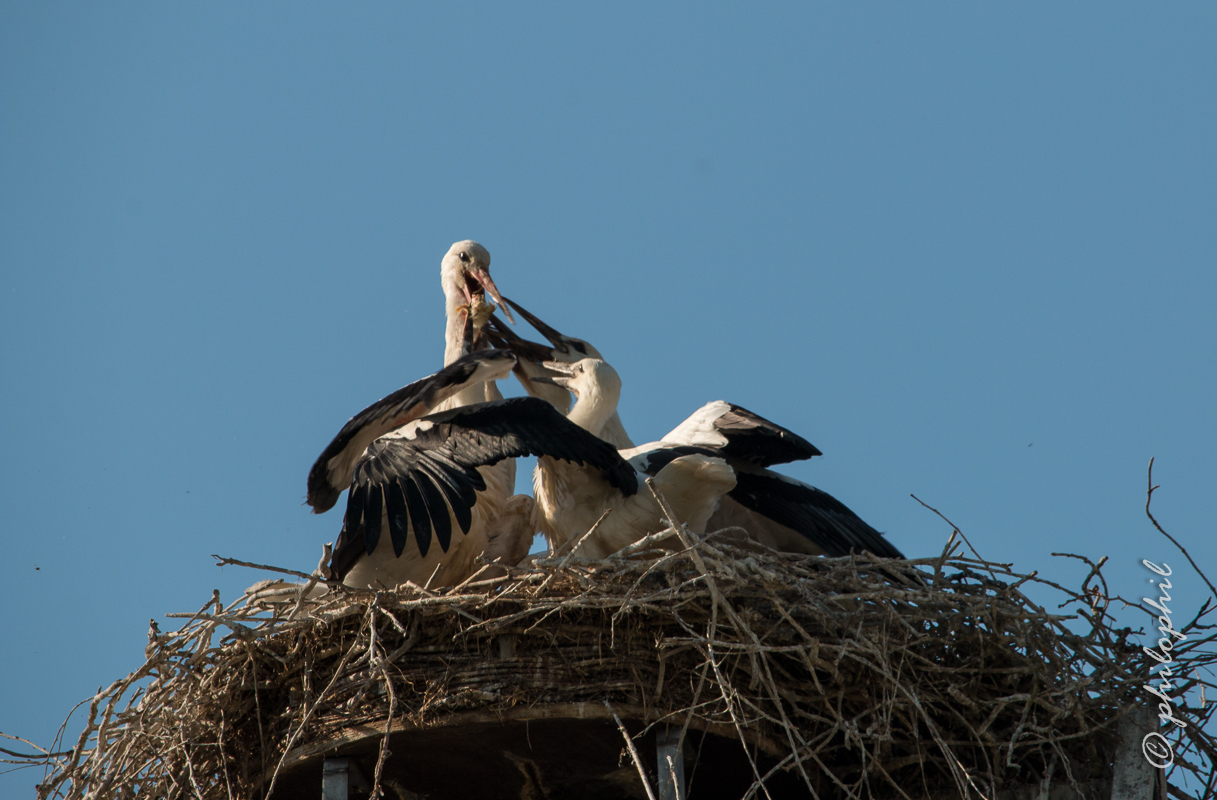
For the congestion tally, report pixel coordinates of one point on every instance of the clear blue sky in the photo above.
(969, 252)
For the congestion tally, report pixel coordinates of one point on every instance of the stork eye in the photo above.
(465, 257)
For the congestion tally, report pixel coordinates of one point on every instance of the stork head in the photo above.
(595, 385)
(465, 277)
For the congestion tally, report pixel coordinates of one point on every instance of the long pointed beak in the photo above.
(503, 336)
(559, 366)
(563, 377)
(482, 276)
(560, 341)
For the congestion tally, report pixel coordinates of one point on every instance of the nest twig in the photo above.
(864, 677)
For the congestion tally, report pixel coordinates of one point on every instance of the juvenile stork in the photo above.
(776, 510)
(569, 500)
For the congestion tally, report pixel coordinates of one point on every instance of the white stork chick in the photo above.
(776, 510)
(570, 499)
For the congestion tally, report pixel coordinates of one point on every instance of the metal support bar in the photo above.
(1133, 777)
(336, 779)
(671, 759)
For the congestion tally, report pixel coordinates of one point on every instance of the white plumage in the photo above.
(571, 499)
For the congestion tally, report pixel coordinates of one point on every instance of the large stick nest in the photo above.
(861, 677)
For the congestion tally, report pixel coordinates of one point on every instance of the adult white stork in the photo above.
(774, 509)
(425, 477)
(360, 558)
(465, 279)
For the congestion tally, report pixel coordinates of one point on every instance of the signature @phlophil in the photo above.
(1154, 746)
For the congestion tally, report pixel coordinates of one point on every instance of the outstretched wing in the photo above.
(331, 473)
(416, 473)
(813, 513)
(738, 433)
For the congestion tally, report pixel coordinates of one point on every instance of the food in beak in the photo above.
(479, 282)
(479, 311)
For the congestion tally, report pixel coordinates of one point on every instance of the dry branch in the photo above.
(864, 677)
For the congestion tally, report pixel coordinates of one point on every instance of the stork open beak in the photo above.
(482, 276)
(563, 374)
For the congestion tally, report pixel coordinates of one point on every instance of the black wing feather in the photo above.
(354, 516)
(371, 517)
(435, 463)
(819, 516)
(437, 511)
(348, 550)
(418, 513)
(399, 517)
(406, 404)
